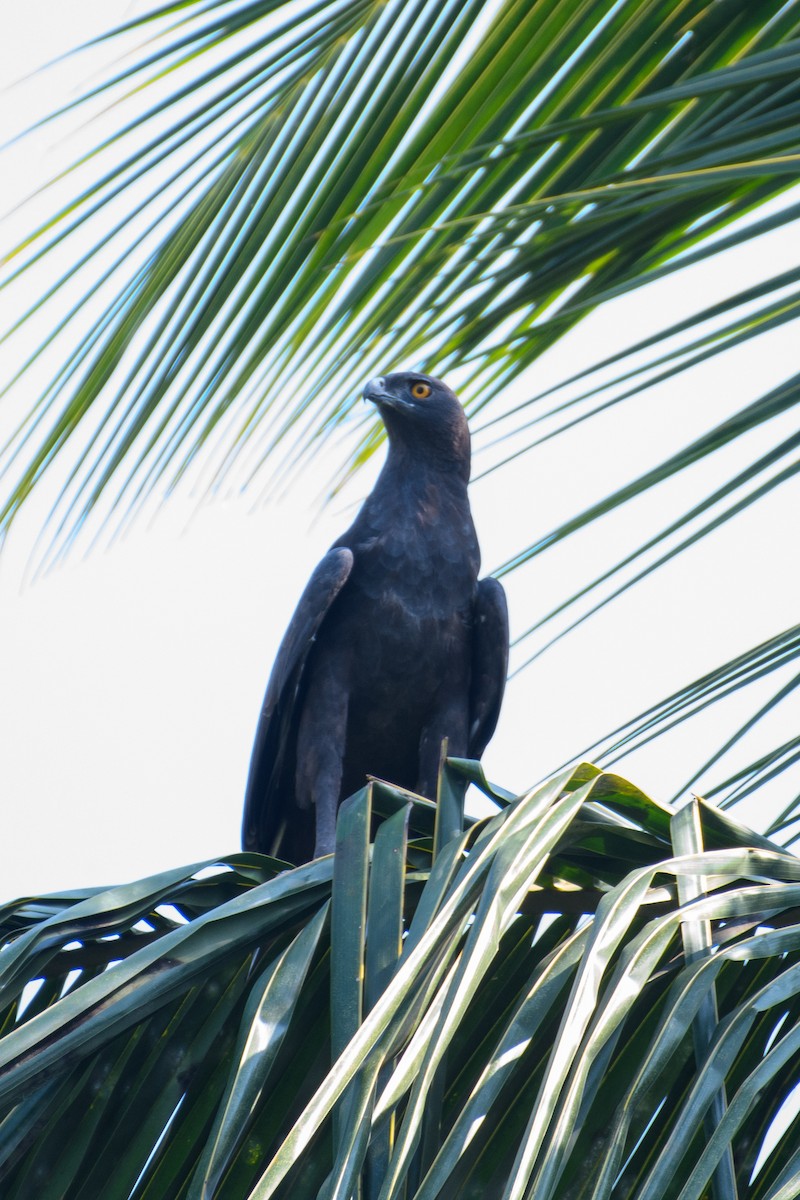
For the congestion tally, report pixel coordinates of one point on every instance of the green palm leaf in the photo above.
(776, 654)
(551, 1006)
(366, 169)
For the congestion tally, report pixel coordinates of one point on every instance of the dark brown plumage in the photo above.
(394, 645)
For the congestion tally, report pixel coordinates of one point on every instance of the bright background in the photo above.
(130, 679)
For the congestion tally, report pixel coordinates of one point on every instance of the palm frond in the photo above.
(324, 186)
(552, 1000)
(776, 655)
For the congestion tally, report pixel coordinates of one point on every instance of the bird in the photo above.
(395, 644)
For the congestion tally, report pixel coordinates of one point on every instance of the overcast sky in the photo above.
(130, 680)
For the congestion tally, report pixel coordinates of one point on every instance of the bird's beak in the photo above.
(377, 391)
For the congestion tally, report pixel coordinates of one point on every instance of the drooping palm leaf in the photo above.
(778, 654)
(355, 179)
(323, 188)
(550, 1004)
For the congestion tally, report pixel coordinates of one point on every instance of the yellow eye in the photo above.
(420, 391)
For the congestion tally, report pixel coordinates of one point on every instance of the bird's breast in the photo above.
(415, 591)
(420, 570)
(396, 650)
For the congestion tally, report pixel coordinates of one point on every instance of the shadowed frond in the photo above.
(584, 994)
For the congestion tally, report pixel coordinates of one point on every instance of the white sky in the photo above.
(130, 682)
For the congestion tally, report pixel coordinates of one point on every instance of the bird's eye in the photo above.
(420, 391)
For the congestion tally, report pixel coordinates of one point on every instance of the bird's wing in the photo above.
(269, 794)
(489, 663)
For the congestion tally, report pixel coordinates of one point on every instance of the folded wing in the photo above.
(489, 663)
(272, 823)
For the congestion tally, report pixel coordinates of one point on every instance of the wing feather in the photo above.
(489, 663)
(269, 795)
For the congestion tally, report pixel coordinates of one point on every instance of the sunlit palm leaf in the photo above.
(350, 180)
(580, 978)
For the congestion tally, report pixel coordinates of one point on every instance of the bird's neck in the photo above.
(416, 513)
(411, 481)
(403, 461)
(416, 499)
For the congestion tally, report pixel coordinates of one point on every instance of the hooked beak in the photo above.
(377, 391)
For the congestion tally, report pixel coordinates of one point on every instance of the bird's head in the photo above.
(423, 414)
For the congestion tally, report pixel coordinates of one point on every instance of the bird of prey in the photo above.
(395, 643)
